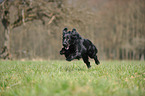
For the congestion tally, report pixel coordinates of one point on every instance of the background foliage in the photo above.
(116, 27)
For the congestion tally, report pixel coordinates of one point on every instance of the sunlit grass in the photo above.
(62, 78)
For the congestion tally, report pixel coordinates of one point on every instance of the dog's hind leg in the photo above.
(86, 60)
(96, 60)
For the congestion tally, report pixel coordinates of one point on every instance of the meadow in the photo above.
(62, 78)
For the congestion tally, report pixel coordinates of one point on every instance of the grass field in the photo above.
(62, 78)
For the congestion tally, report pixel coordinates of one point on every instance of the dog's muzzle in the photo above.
(66, 46)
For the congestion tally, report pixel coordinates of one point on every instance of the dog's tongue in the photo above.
(67, 47)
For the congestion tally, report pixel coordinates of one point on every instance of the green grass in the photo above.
(62, 78)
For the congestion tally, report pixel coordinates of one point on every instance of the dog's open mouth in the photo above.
(67, 47)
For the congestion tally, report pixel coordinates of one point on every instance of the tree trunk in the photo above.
(5, 53)
(123, 53)
(118, 54)
(126, 54)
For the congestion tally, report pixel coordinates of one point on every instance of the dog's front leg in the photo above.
(74, 55)
(70, 57)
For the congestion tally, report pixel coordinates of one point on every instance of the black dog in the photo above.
(75, 47)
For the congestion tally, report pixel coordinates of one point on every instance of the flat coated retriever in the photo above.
(75, 47)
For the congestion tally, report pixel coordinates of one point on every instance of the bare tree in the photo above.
(27, 10)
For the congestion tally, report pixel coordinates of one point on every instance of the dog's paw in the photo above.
(97, 62)
(69, 58)
(89, 66)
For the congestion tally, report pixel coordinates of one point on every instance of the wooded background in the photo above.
(32, 29)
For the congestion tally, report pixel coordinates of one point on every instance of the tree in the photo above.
(27, 11)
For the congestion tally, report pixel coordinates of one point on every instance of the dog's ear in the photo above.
(73, 30)
(74, 35)
(65, 30)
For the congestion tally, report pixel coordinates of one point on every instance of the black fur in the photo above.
(75, 47)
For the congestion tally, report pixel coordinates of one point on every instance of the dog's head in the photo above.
(69, 37)
(66, 42)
